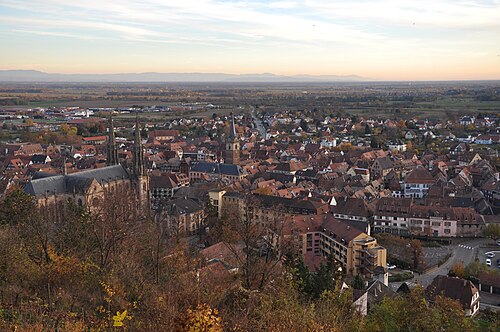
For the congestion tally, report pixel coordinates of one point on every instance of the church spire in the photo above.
(112, 150)
(232, 154)
(232, 129)
(138, 168)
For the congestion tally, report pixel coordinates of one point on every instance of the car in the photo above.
(498, 242)
(391, 267)
(488, 262)
(490, 255)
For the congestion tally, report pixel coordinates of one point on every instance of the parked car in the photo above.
(488, 262)
(498, 242)
(490, 255)
(391, 267)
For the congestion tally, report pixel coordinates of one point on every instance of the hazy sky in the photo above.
(388, 39)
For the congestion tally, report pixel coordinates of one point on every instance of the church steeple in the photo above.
(232, 155)
(138, 168)
(232, 129)
(112, 150)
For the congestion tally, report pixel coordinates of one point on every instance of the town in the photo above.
(392, 191)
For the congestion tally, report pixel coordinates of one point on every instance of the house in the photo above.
(14, 164)
(163, 187)
(397, 146)
(464, 291)
(410, 134)
(38, 159)
(354, 210)
(467, 120)
(417, 183)
(468, 158)
(328, 142)
(381, 167)
(392, 215)
(432, 221)
(23, 149)
(460, 148)
(184, 215)
(215, 172)
(491, 191)
(94, 140)
(376, 292)
(487, 139)
(162, 135)
(215, 199)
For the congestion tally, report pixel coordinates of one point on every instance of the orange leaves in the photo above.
(201, 319)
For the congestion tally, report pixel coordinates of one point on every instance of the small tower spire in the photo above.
(112, 151)
(232, 129)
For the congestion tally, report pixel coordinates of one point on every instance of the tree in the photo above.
(201, 319)
(492, 230)
(358, 282)
(263, 243)
(112, 222)
(457, 270)
(17, 207)
(326, 277)
(414, 313)
(29, 122)
(416, 253)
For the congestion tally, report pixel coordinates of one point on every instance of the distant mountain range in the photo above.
(38, 76)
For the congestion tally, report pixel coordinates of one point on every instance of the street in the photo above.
(464, 252)
(258, 123)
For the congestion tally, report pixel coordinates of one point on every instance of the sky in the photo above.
(380, 40)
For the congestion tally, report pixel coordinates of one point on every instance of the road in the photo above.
(258, 123)
(464, 252)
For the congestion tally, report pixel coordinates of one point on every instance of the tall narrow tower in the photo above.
(138, 168)
(112, 150)
(139, 174)
(232, 145)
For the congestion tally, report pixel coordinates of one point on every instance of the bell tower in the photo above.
(232, 155)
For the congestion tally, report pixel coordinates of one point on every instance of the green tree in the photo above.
(17, 207)
(414, 313)
(358, 282)
(326, 277)
(492, 230)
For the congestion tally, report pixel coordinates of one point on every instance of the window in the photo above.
(447, 223)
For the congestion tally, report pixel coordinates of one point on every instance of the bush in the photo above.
(401, 277)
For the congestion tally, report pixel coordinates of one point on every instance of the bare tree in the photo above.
(257, 242)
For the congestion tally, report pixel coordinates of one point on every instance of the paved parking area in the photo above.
(481, 255)
(434, 255)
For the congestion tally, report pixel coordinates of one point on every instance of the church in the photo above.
(92, 188)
